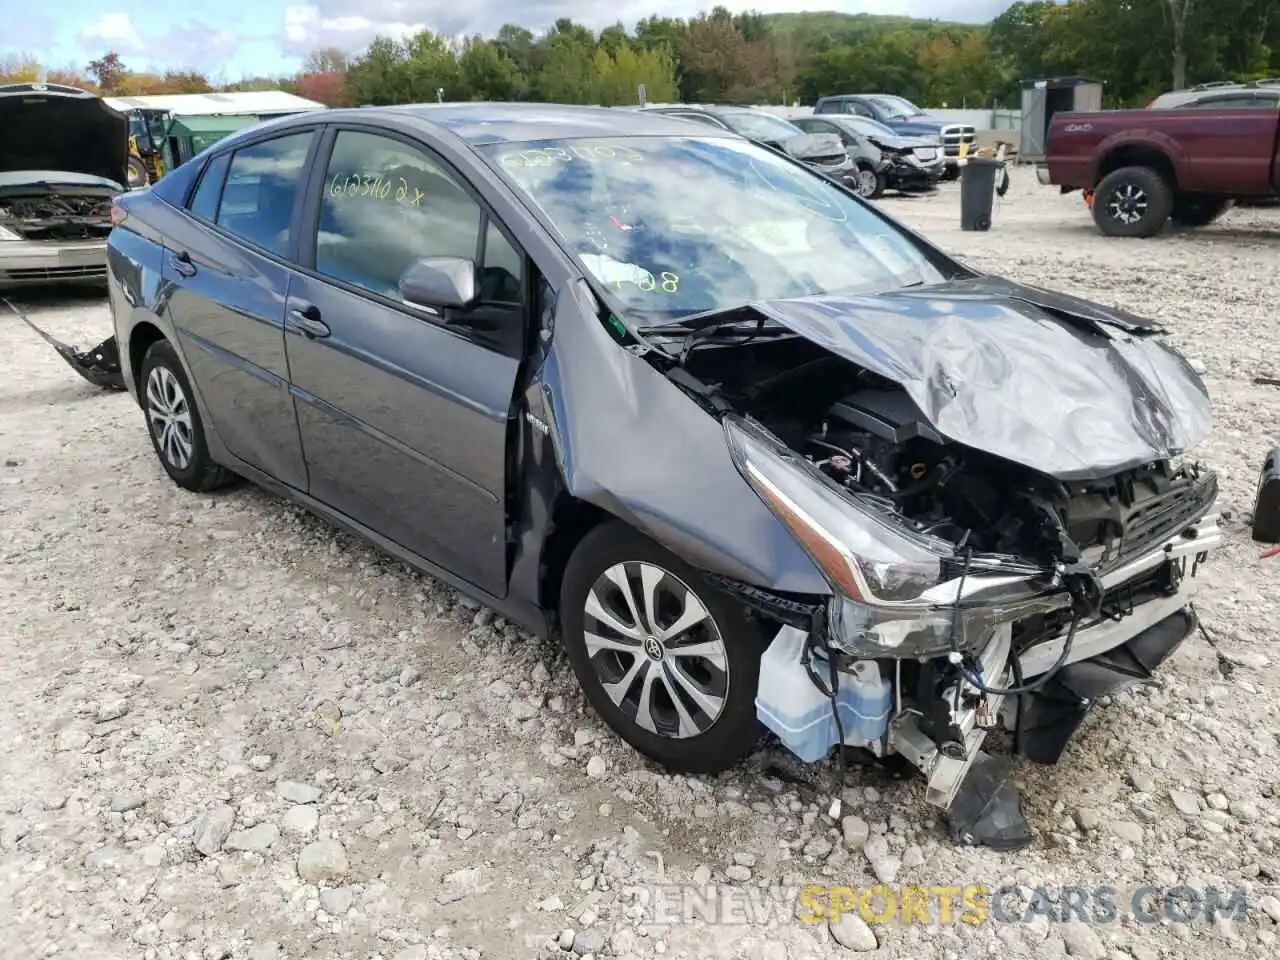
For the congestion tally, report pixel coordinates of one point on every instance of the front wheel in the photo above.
(870, 184)
(137, 174)
(668, 661)
(1132, 202)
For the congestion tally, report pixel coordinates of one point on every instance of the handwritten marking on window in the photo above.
(375, 187)
(551, 156)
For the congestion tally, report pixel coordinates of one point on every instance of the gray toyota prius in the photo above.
(761, 457)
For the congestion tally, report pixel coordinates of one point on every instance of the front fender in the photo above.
(631, 443)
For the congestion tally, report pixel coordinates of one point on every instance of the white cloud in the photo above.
(115, 31)
(190, 46)
(307, 28)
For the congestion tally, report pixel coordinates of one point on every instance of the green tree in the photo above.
(566, 64)
(108, 71)
(488, 73)
(613, 39)
(618, 77)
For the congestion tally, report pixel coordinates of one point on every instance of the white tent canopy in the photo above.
(261, 103)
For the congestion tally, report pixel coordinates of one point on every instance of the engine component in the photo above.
(57, 217)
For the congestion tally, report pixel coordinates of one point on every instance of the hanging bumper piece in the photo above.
(99, 365)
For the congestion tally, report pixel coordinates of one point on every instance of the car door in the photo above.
(403, 411)
(227, 279)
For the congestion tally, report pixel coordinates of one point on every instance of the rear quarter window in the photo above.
(204, 202)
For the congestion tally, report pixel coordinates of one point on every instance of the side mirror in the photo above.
(440, 282)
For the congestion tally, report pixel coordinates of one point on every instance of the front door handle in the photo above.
(305, 318)
(183, 265)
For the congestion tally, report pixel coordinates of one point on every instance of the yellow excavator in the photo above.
(147, 135)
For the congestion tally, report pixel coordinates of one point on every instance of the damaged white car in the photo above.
(63, 157)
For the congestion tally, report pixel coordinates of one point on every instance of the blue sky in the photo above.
(237, 38)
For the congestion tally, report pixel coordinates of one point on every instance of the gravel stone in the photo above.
(300, 821)
(322, 862)
(213, 829)
(336, 901)
(852, 932)
(254, 840)
(298, 792)
(855, 832)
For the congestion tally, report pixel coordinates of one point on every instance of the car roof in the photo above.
(483, 123)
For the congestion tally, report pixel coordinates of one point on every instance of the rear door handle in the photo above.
(183, 265)
(305, 319)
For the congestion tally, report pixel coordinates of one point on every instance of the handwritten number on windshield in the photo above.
(646, 282)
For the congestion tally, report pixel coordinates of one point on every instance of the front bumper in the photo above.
(912, 174)
(1147, 614)
(31, 262)
(1106, 656)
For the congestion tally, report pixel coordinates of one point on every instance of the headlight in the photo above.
(861, 554)
(7, 234)
(897, 591)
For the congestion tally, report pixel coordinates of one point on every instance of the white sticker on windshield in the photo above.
(778, 237)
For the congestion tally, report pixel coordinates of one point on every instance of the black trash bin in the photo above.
(978, 192)
(1266, 509)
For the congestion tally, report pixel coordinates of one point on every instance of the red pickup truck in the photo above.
(1139, 168)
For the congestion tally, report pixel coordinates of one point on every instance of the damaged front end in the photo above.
(999, 580)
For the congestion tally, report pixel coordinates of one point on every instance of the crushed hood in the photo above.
(813, 145)
(1067, 387)
(50, 127)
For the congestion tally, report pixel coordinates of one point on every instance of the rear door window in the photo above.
(261, 189)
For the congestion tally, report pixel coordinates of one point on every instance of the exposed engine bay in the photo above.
(57, 216)
(870, 438)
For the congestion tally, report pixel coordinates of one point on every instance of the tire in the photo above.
(1198, 211)
(166, 398)
(138, 176)
(711, 735)
(1132, 202)
(870, 185)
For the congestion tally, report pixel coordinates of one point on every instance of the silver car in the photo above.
(63, 157)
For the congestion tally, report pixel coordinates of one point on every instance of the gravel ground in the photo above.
(228, 732)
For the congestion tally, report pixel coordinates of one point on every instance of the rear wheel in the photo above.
(1198, 211)
(177, 433)
(1132, 202)
(667, 660)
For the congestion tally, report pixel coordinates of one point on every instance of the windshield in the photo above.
(760, 126)
(896, 108)
(673, 226)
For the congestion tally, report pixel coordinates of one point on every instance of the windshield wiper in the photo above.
(729, 331)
